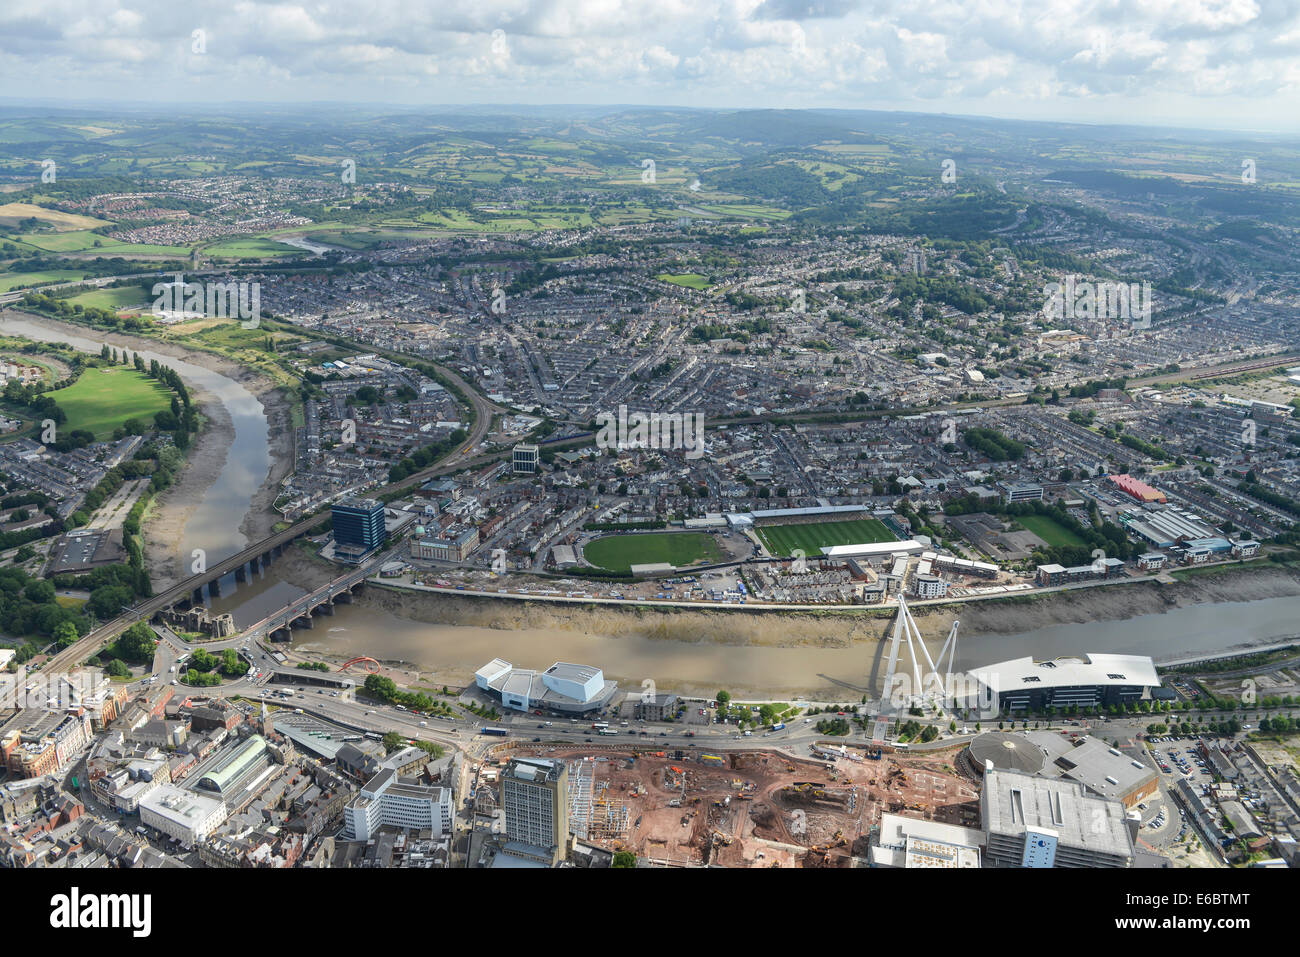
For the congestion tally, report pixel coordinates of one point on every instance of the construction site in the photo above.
(760, 808)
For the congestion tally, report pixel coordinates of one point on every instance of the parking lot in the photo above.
(1163, 819)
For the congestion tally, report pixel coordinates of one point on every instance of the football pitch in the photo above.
(620, 552)
(781, 540)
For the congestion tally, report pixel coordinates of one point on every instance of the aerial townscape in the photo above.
(813, 477)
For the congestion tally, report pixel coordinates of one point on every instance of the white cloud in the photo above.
(1093, 57)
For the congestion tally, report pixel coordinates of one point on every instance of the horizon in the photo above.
(523, 109)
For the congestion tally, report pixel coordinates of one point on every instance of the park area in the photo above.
(781, 540)
(618, 553)
(689, 280)
(104, 398)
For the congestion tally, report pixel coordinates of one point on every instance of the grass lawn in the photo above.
(104, 398)
(690, 280)
(784, 539)
(1049, 530)
(620, 552)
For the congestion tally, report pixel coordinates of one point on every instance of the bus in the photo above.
(374, 736)
(607, 731)
(497, 732)
(600, 726)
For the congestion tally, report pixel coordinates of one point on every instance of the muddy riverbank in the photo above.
(218, 503)
(828, 629)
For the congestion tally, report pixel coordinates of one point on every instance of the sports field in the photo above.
(782, 540)
(690, 280)
(1049, 530)
(620, 552)
(104, 398)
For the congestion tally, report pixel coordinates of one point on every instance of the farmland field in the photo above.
(1049, 530)
(104, 398)
(114, 298)
(17, 280)
(83, 240)
(620, 552)
(15, 214)
(811, 539)
(249, 247)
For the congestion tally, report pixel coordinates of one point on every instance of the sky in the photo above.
(1220, 64)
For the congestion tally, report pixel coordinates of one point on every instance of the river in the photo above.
(632, 649)
(453, 651)
(213, 523)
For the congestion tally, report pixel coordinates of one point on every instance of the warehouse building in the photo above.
(1136, 488)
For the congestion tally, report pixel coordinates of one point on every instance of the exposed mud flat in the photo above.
(783, 630)
(842, 629)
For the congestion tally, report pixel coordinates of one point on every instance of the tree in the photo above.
(379, 687)
(117, 669)
(393, 741)
(624, 859)
(137, 643)
(65, 633)
(724, 697)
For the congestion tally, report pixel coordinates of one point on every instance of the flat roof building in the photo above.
(1082, 680)
(187, 816)
(534, 797)
(910, 843)
(1037, 822)
(525, 458)
(1091, 762)
(358, 527)
(388, 801)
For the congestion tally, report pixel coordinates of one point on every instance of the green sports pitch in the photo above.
(619, 553)
(781, 540)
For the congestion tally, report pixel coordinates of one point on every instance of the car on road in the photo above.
(535, 740)
(588, 740)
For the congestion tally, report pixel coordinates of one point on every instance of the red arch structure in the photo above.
(372, 666)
